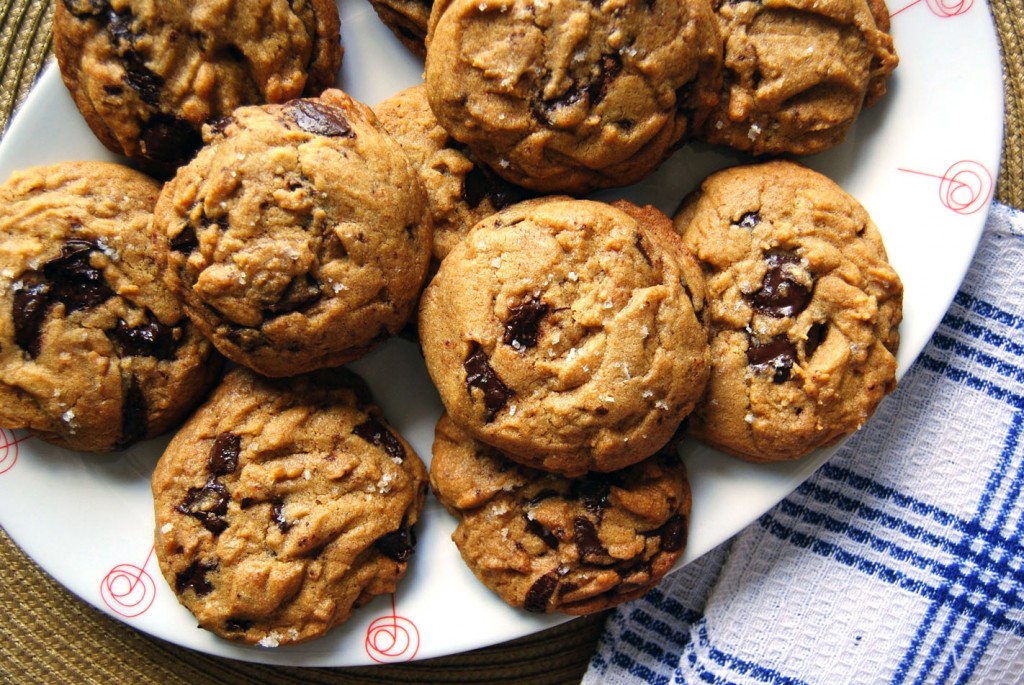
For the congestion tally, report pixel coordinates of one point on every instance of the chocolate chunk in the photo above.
(170, 139)
(779, 353)
(152, 339)
(320, 119)
(134, 415)
(480, 375)
(540, 593)
(140, 78)
(534, 526)
(238, 625)
(780, 294)
(815, 336)
(592, 491)
(522, 327)
(195, 577)
(397, 544)
(277, 514)
(223, 457)
(373, 432)
(610, 68)
(31, 302)
(74, 281)
(481, 184)
(673, 533)
(208, 505)
(300, 293)
(748, 220)
(186, 240)
(585, 535)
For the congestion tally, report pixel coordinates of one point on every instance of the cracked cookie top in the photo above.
(299, 237)
(572, 95)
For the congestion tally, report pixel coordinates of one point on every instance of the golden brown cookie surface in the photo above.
(299, 236)
(567, 333)
(798, 72)
(95, 352)
(147, 74)
(571, 95)
(283, 504)
(803, 305)
(547, 543)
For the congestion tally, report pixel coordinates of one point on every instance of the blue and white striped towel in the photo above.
(901, 560)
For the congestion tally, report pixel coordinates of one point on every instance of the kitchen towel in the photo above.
(900, 560)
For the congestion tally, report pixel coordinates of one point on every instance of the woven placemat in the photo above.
(48, 635)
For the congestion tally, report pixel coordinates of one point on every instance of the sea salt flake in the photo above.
(166, 528)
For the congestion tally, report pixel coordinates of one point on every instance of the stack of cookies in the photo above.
(572, 341)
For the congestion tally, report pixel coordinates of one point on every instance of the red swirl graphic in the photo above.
(965, 187)
(9, 449)
(392, 638)
(941, 8)
(128, 590)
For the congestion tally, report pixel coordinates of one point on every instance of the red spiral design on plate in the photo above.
(392, 638)
(941, 8)
(128, 590)
(965, 187)
(9, 449)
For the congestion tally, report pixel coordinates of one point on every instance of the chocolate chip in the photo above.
(673, 533)
(170, 139)
(238, 625)
(134, 415)
(301, 292)
(537, 528)
(540, 593)
(609, 70)
(140, 78)
(522, 327)
(320, 119)
(778, 353)
(277, 514)
(398, 544)
(480, 375)
(815, 336)
(585, 535)
(195, 577)
(781, 294)
(186, 240)
(594, 89)
(223, 457)
(152, 339)
(373, 432)
(748, 220)
(593, 491)
(74, 281)
(208, 505)
(31, 302)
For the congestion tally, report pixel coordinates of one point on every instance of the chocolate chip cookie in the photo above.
(547, 543)
(572, 95)
(299, 237)
(407, 19)
(798, 72)
(460, 192)
(567, 333)
(147, 74)
(282, 504)
(95, 352)
(803, 305)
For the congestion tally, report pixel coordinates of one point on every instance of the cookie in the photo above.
(146, 75)
(567, 333)
(460, 192)
(797, 73)
(546, 543)
(568, 96)
(299, 237)
(283, 504)
(803, 305)
(407, 19)
(95, 352)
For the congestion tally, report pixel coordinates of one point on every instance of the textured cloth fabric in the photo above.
(902, 559)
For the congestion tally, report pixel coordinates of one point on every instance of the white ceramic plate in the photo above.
(923, 162)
